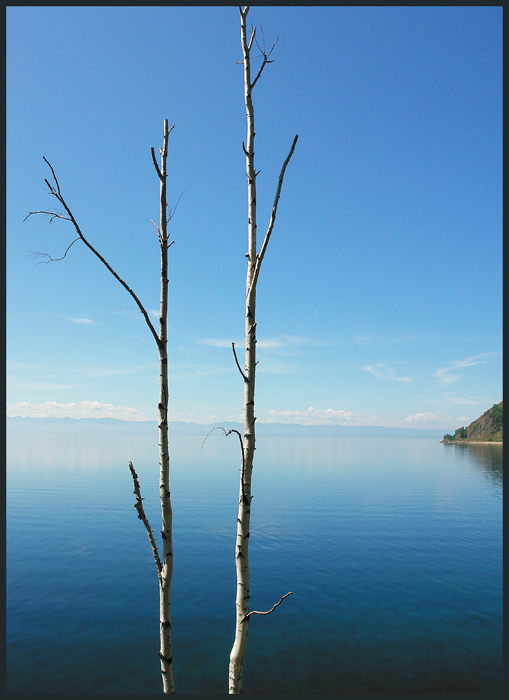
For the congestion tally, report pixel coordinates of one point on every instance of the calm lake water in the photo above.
(392, 547)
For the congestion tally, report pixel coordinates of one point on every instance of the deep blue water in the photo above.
(392, 547)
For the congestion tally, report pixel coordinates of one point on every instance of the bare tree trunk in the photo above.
(164, 567)
(165, 653)
(253, 268)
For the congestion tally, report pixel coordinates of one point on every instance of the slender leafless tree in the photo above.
(164, 565)
(253, 269)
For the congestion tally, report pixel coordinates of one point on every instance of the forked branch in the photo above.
(248, 46)
(265, 58)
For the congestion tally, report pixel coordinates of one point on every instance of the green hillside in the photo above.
(487, 428)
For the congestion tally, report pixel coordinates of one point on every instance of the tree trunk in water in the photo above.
(243, 519)
(164, 568)
(165, 653)
(253, 266)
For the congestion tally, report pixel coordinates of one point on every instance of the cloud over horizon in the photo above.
(81, 409)
(424, 418)
(327, 416)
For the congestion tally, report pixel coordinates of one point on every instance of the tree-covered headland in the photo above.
(486, 428)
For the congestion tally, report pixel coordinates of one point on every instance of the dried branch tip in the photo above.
(238, 365)
(257, 612)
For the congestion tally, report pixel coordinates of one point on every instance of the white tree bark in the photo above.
(253, 268)
(165, 652)
(164, 566)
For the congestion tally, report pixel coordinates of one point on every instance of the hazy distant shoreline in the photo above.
(472, 442)
(182, 428)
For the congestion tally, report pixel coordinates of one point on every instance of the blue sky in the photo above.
(379, 301)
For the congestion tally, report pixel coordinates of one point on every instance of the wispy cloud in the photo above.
(189, 372)
(325, 416)
(21, 370)
(206, 418)
(80, 321)
(382, 372)
(424, 418)
(81, 409)
(468, 401)
(271, 365)
(22, 385)
(223, 343)
(443, 374)
(288, 342)
(269, 344)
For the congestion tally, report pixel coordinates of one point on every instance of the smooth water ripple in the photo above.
(392, 547)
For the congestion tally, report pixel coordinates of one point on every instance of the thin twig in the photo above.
(232, 430)
(37, 255)
(257, 612)
(141, 515)
(172, 211)
(265, 61)
(52, 214)
(236, 360)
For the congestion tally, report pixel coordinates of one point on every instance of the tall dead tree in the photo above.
(164, 566)
(253, 269)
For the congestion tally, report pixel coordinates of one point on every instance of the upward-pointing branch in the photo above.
(272, 221)
(141, 515)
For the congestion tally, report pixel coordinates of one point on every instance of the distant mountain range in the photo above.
(486, 428)
(180, 428)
